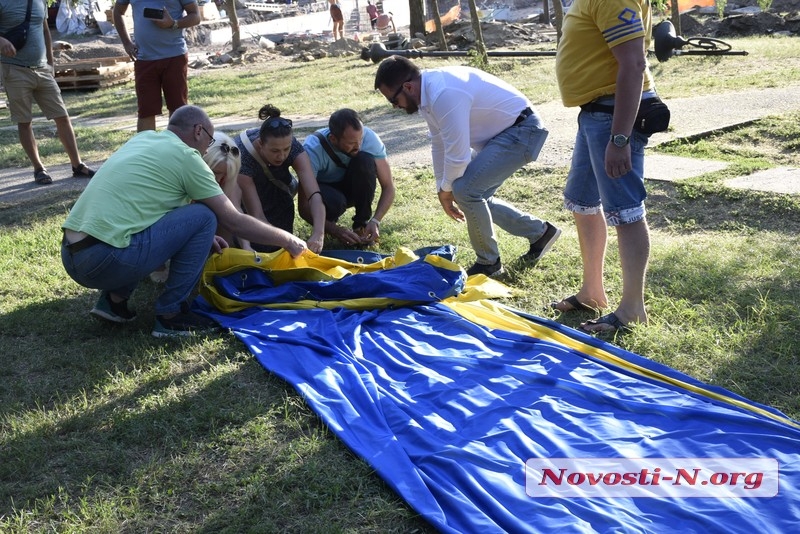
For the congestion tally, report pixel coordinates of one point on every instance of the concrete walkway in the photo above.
(406, 140)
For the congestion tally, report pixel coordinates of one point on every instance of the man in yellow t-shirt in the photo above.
(601, 66)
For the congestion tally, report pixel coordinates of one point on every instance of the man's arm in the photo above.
(192, 18)
(310, 200)
(631, 59)
(118, 15)
(453, 149)
(48, 44)
(251, 228)
(385, 180)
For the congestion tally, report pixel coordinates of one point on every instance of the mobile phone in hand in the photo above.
(153, 13)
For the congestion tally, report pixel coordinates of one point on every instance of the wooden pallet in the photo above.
(94, 73)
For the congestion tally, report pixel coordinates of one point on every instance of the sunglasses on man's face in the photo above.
(226, 148)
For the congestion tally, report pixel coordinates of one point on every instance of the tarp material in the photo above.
(447, 400)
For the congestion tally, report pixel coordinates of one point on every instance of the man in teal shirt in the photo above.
(349, 161)
(154, 200)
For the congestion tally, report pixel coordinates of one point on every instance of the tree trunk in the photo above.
(559, 13)
(676, 16)
(546, 11)
(437, 18)
(233, 18)
(416, 23)
(480, 46)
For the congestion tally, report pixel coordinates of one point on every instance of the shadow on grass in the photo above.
(189, 432)
(22, 202)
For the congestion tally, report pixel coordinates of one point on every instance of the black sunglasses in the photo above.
(278, 122)
(226, 148)
(393, 100)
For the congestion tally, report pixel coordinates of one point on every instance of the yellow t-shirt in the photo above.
(585, 67)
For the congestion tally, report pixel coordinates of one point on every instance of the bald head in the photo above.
(193, 126)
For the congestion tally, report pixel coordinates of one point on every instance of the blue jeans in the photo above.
(474, 192)
(184, 236)
(589, 188)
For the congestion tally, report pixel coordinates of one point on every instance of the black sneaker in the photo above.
(489, 270)
(542, 245)
(186, 323)
(108, 310)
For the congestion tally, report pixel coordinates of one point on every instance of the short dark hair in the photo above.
(343, 118)
(395, 70)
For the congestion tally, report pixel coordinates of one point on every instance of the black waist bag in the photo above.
(653, 116)
(18, 35)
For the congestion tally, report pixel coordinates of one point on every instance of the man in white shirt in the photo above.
(482, 131)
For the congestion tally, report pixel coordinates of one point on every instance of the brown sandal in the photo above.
(572, 301)
(82, 171)
(41, 177)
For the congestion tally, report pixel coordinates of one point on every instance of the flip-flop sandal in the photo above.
(41, 177)
(611, 320)
(572, 301)
(82, 171)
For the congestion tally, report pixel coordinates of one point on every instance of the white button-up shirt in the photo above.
(464, 108)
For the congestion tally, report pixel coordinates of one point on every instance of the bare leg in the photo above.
(592, 236)
(146, 123)
(29, 145)
(67, 136)
(634, 252)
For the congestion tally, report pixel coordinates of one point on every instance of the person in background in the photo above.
(385, 24)
(338, 20)
(155, 200)
(349, 161)
(28, 75)
(372, 13)
(269, 155)
(482, 131)
(601, 66)
(159, 52)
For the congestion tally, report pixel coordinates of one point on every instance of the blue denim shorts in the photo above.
(589, 188)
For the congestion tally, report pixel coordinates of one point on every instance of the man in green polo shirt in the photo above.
(154, 200)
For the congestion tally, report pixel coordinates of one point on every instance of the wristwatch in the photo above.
(620, 140)
(174, 24)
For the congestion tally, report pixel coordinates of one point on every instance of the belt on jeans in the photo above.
(594, 107)
(524, 114)
(77, 246)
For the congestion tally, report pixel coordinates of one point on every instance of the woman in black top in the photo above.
(269, 154)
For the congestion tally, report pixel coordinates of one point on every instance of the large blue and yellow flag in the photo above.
(488, 420)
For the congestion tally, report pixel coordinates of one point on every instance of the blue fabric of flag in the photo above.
(448, 410)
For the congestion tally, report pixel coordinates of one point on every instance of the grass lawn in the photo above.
(109, 430)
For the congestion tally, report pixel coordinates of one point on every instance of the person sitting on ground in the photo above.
(269, 154)
(137, 213)
(27, 74)
(349, 160)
